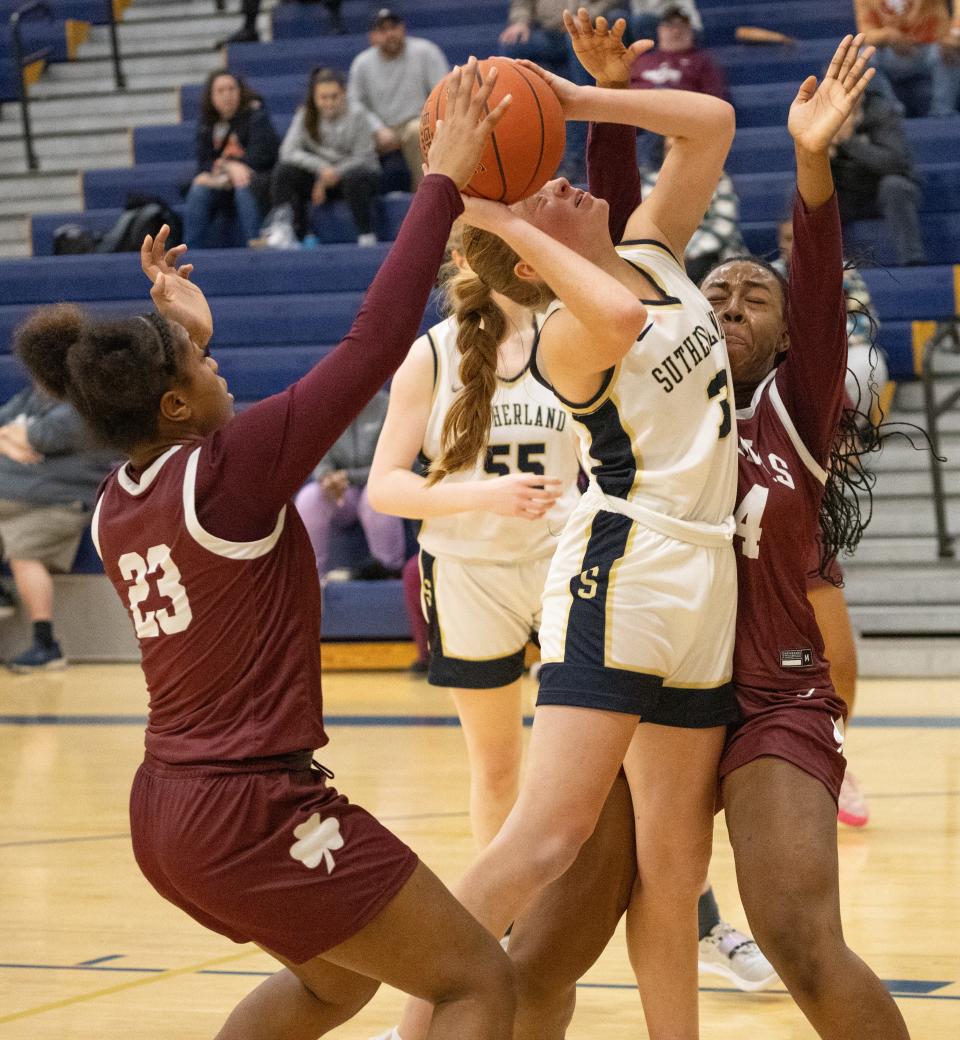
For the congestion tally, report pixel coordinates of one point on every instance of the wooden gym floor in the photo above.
(89, 952)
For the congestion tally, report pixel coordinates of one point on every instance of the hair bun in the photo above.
(44, 342)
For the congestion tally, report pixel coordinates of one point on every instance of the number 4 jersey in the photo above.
(530, 432)
(228, 631)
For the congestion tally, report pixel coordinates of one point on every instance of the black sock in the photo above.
(708, 913)
(43, 633)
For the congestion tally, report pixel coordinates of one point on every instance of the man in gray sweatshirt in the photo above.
(392, 79)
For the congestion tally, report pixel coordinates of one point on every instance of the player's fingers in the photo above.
(639, 47)
(583, 22)
(859, 67)
(601, 27)
(496, 114)
(465, 97)
(618, 28)
(570, 24)
(532, 66)
(807, 89)
(146, 253)
(453, 89)
(839, 54)
(185, 271)
(861, 85)
(478, 101)
(850, 58)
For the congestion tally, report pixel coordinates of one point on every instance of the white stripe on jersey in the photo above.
(531, 432)
(220, 546)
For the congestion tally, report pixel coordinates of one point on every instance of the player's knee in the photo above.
(487, 976)
(802, 946)
(346, 1002)
(542, 1009)
(675, 866)
(556, 852)
(497, 774)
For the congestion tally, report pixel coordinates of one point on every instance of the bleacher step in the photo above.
(152, 70)
(15, 249)
(151, 10)
(914, 483)
(928, 658)
(67, 153)
(914, 518)
(895, 619)
(13, 229)
(894, 584)
(69, 107)
(878, 549)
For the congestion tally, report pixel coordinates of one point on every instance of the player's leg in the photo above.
(788, 876)
(423, 942)
(492, 722)
(840, 649)
(673, 778)
(572, 761)
(562, 934)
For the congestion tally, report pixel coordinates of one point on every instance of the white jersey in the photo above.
(530, 433)
(658, 432)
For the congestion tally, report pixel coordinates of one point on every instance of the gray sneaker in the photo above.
(38, 659)
(736, 957)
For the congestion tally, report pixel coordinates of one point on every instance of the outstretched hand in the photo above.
(818, 112)
(461, 136)
(156, 259)
(181, 301)
(600, 48)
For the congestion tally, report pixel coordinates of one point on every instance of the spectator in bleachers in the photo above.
(327, 154)
(535, 30)
(677, 61)
(918, 52)
(236, 152)
(247, 33)
(392, 79)
(718, 236)
(642, 17)
(875, 176)
(49, 474)
(337, 497)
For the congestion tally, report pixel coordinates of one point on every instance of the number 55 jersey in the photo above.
(530, 432)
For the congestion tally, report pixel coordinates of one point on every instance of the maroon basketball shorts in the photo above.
(804, 727)
(266, 855)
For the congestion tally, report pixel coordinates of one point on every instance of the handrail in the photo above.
(37, 7)
(946, 338)
(119, 79)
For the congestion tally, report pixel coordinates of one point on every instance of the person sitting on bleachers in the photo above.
(327, 154)
(49, 474)
(643, 16)
(236, 152)
(677, 61)
(918, 52)
(874, 174)
(392, 79)
(718, 236)
(337, 497)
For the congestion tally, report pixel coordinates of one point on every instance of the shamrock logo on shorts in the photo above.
(318, 840)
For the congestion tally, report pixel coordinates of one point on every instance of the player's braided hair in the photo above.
(481, 328)
(113, 372)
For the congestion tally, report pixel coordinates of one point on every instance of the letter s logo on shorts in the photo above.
(318, 840)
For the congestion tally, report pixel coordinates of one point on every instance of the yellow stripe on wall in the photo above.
(922, 331)
(32, 73)
(76, 34)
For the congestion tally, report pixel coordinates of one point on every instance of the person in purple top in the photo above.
(783, 761)
(200, 539)
(677, 61)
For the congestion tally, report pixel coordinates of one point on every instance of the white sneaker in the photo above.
(390, 1034)
(368, 238)
(736, 957)
(281, 236)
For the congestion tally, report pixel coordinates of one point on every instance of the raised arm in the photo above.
(273, 446)
(812, 377)
(702, 127)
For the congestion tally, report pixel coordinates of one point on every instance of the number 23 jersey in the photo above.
(530, 432)
(228, 631)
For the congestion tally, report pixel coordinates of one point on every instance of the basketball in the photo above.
(525, 149)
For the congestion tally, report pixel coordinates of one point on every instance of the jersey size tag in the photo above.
(796, 658)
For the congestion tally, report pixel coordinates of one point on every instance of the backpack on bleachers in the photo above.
(144, 215)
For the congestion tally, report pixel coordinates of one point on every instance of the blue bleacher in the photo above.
(277, 313)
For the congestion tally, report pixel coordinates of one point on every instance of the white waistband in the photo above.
(697, 532)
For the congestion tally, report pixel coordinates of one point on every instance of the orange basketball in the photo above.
(524, 151)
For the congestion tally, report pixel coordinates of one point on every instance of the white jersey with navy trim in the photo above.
(530, 433)
(658, 432)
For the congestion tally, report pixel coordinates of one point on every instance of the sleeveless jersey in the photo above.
(228, 631)
(660, 432)
(530, 433)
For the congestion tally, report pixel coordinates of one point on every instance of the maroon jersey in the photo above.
(212, 561)
(785, 438)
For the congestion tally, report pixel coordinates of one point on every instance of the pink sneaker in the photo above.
(852, 805)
